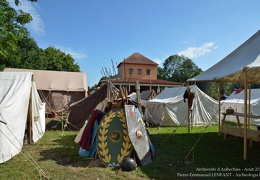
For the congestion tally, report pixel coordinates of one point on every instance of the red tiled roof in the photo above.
(137, 58)
(145, 81)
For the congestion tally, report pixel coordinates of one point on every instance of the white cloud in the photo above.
(37, 24)
(195, 52)
(75, 54)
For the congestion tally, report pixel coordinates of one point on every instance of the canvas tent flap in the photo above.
(15, 93)
(169, 108)
(38, 115)
(230, 69)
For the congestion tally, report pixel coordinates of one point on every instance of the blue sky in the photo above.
(97, 33)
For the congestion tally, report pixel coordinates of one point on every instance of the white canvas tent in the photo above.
(169, 108)
(236, 101)
(20, 110)
(241, 65)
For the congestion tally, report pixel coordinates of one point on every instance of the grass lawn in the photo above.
(178, 155)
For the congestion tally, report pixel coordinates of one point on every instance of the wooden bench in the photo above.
(237, 131)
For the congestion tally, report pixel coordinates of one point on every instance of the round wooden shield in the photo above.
(113, 142)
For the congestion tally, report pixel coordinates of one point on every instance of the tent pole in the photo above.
(245, 114)
(138, 96)
(188, 110)
(249, 104)
(219, 98)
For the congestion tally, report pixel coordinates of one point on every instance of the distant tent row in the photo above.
(58, 89)
(169, 108)
(21, 111)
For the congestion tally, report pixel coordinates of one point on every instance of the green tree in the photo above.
(12, 30)
(179, 68)
(17, 2)
(160, 73)
(211, 88)
(19, 50)
(32, 57)
(59, 61)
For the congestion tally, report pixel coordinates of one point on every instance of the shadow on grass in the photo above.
(64, 151)
(179, 155)
(176, 155)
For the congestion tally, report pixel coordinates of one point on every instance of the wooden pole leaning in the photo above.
(138, 95)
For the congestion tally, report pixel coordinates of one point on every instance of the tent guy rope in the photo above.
(29, 158)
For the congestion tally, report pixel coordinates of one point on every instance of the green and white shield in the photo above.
(113, 142)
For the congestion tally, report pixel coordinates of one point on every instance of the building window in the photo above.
(148, 71)
(130, 71)
(139, 71)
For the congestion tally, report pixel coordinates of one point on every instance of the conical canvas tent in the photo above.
(169, 108)
(80, 111)
(21, 110)
(241, 65)
(236, 101)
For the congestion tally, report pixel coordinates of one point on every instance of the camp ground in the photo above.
(170, 108)
(111, 126)
(22, 113)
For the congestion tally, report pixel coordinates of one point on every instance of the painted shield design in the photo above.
(138, 134)
(113, 142)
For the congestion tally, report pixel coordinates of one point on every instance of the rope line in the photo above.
(32, 161)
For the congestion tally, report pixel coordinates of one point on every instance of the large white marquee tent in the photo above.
(21, 109)
(241, 65)
(169, 108)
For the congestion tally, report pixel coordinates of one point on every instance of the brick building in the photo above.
(139, 68)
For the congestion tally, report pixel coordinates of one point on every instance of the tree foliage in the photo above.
(19, 50)
(57, 60)
(160, 73)
(179, 69)
(12, 29)
(211, 88)
(17, 2)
